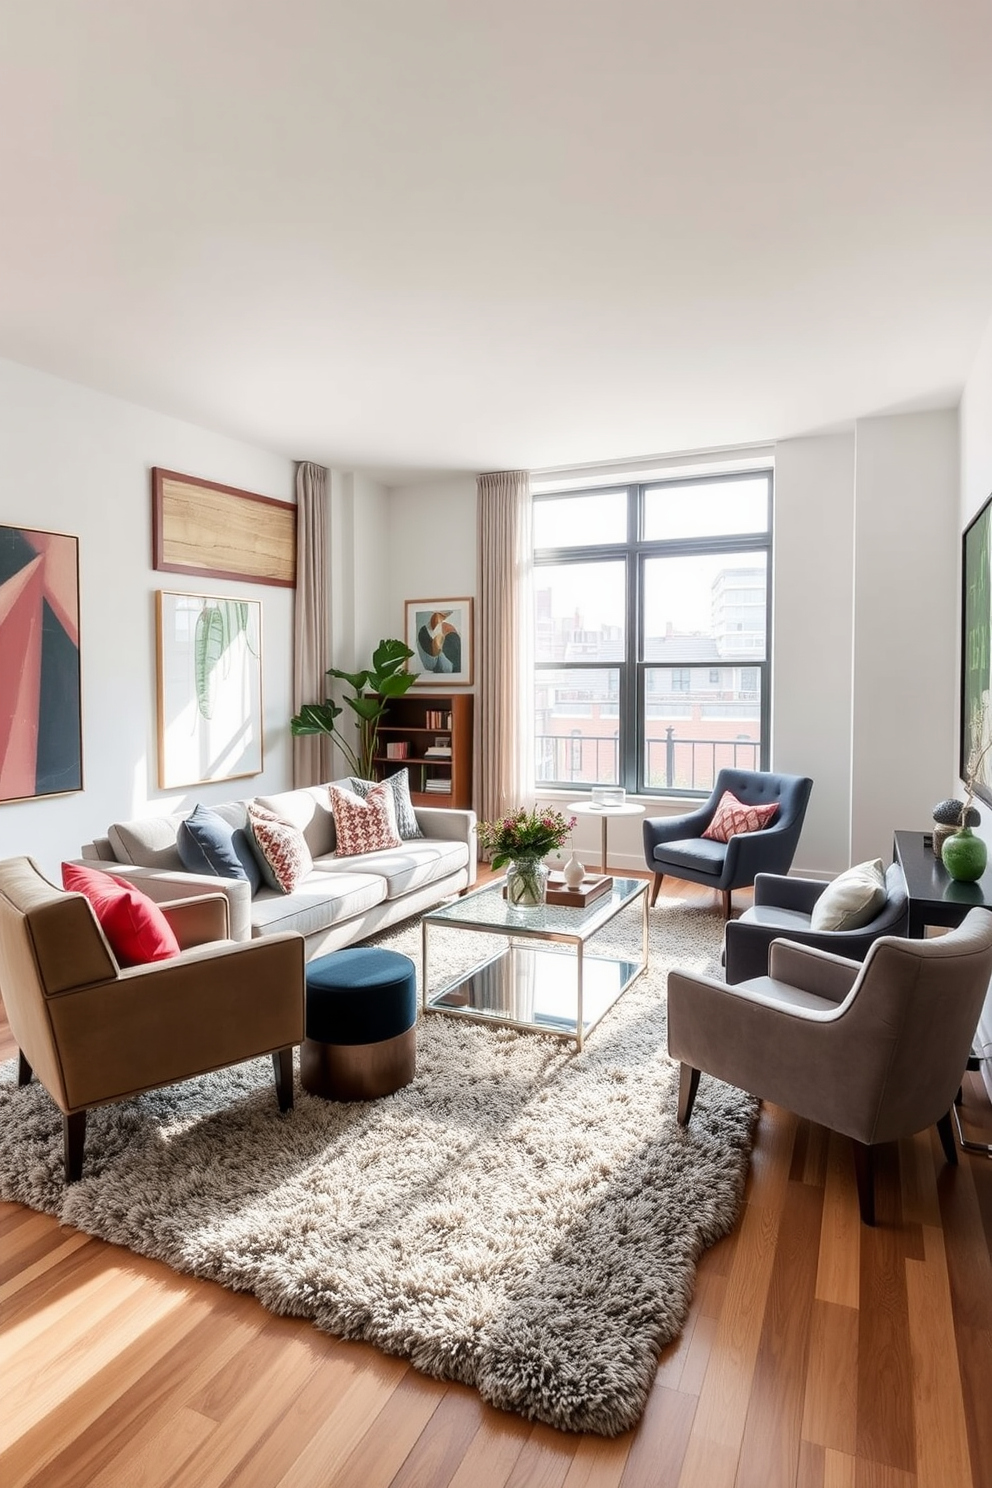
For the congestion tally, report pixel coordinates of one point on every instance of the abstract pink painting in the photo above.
(41, 752)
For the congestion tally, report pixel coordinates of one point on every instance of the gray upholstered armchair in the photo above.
(874, 1050)
(675, 844)
(783, 907)
(94, 1032)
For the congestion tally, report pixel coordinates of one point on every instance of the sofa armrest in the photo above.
(452, 825)
(99, 849)
(198, 921)
(816, 971)
(165, 887)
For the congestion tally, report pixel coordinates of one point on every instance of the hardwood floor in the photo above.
(817, 1354)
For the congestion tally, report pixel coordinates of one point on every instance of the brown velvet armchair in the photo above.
(873, 1050)
(94, 1033)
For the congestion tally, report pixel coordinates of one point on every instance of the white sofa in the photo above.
(341, 901)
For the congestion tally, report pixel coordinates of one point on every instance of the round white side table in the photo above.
(585, 808)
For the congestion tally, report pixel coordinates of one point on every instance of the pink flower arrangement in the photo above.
(525, 834)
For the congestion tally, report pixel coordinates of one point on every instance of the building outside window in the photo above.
(651, 632)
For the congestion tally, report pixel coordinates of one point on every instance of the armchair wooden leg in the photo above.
(727, 895)
(946, 1133)
(73, 1141)
(688, 1085)
(282, 1060)
(24, 1071)
(864, 1168)
(655, 887)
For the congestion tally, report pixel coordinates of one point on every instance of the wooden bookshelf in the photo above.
(430, 721)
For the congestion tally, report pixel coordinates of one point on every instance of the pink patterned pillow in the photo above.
(732, 818)
(281, 848)
(364, 826)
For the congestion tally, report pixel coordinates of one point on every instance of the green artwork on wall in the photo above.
(976, 677)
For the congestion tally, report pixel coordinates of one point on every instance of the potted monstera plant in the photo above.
(371, 691)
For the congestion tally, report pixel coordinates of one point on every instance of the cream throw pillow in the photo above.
(852, 900)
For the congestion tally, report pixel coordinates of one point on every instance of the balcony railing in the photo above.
(672, 763)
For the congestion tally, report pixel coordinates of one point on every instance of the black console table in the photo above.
(935, 898)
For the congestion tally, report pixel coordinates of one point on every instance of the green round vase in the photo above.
(964, 855)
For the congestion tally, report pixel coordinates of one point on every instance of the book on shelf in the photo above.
(437, 751)
(437, 787)
(438, 718)
(397, 751)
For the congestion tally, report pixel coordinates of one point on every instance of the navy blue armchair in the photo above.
(783, 910)
(675, 844)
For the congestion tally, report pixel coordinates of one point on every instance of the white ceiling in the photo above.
(422, 235)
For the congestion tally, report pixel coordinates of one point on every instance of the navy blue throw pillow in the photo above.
(209, 844)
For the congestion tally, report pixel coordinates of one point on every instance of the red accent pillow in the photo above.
(134, 925)
(732, 818)
(364, 826)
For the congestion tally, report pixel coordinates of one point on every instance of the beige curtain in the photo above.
(312, 754)
(504, 736)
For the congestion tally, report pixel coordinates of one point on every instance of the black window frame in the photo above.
(634, 553)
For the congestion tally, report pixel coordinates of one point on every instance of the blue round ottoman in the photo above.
(361, 1024)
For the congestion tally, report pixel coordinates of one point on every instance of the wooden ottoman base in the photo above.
(354, 1072)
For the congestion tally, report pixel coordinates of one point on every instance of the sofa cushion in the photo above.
(318, 902)
(852, 900)
(364, 825)
(309, 809)
(209, 844)
(733, 818)
(399, 783)
(283, 855)
(153, 841)
(136, 929)
(412, 865)
(149, 842)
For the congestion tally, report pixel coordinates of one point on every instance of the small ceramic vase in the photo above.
(965, 855)
(574, 871)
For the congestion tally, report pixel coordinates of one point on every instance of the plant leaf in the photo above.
(208, 648)
(315, 718)
(356, 680)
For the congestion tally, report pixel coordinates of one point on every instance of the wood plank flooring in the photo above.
(817, 1354)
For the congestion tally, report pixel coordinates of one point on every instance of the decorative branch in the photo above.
(976, 758)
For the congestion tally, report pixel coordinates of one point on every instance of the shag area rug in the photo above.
(521, 1218)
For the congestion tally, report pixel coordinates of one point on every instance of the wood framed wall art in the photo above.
(439, 633)
(219, 532)
(209, 688)
(41, 736)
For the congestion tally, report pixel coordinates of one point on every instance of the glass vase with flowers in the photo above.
(520, 842)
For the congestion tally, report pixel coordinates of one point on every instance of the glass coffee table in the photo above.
(538, 973)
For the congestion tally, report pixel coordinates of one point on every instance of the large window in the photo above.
(651, 632)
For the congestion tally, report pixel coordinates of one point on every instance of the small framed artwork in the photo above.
(439, 633)
(41, 735)
(209, 688)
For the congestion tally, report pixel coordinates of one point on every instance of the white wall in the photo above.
(905, 624)
(432, 542)
(864, 607)
(78, 462)
(812, 636)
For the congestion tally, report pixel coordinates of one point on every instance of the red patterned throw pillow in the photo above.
(283, 855)
(732, 818)
(364, 826)
(136, 929)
